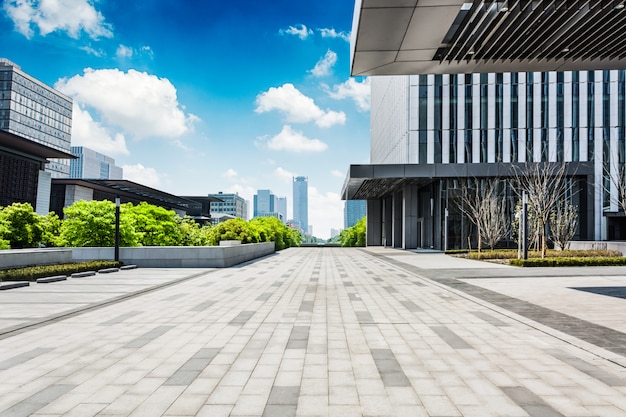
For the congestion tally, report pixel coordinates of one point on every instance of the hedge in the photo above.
(572, 261)
(512, 254)
(31, 273)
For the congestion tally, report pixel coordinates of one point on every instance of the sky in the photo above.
(193, 97)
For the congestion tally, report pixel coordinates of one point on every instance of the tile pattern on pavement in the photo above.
(306, 332)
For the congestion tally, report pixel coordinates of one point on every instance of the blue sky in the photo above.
(195, 97)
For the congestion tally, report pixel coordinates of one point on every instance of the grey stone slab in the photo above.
(390, 289)
(23, 357)
(148, 337)
(364, 317)
(389, 369)
(174, 297)
(120, 318)
(378, 279)
(265, 296)
(204, 305)
(306, 306)
(451, 338)
(232, 290)
(284, 395)
(348, 284)
(37, 401)
(530, 402)
(242, 318)
(588, 368)
(190, 370)
(277, 284)
(280, 410)
(489, 318)
(411, 306)
(208, 284)
(299, 337)
(352, 296)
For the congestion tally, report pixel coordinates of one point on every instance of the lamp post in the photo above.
(117, 229)
(525, 225)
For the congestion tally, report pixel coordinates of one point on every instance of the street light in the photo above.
(117, 229)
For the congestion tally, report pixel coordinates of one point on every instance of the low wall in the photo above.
(17, 258)
(594, 245)
(179, 256)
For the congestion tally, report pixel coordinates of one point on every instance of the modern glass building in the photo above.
(231, 204)
(353, 211)
(301, 203)
(37, 112)
(264, 202)
(93, 165)
(429, 132)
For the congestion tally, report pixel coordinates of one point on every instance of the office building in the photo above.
(35, 124)
(281, 207)
(231, 204)
(301, 203)
(34, 111)
(90, 164)
(353, 211)
(264, 202)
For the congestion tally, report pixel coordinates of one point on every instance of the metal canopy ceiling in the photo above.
(462, 36)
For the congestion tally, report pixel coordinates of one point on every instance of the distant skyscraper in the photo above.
(301, 203)
(37, 112)
(353, 211)
(93, 165)
(232, 204)
(264, 202)
(281, 207)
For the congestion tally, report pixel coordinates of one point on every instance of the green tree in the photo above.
(234, 229)
(190, 232)
(273, 230)
(23, 225)
(92, 223)
(156, 226)
(4, 231)
(355, 235)
(51, 225)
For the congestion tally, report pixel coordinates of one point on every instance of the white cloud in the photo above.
(337, 173)
(358, 91)
(124, 51)
(297, 107)
(294, 141)
(325, 212)
(91, 51)
(230, 173)
(284, 175)
(142, 175)
(332, 33)
(91, 134)
(300, 31)
(71, 16)
(140, 104)
(325, 64)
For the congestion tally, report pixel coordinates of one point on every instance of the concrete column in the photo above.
(397, 219)
(388, 220)
(409, 201)
(374, 223)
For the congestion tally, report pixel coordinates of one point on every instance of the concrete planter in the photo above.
(17, 258)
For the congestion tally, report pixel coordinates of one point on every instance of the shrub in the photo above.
(512, 254)
(31, 273)
(573, 261)
(22, 226)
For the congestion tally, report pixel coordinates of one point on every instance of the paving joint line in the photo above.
(22, 328)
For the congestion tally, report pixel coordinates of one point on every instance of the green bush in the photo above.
(355, 235)
(31, 273)
(512, 254)
(572, 261)
(21, 226)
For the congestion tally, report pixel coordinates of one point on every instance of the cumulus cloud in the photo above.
(124, 51)
(89, 133)
(296, 107)
(92, 51)
(284, 175)
(352, 89)
(140, 104)
(332, 33)
(142, 175)
(300, 31)
(70, 16)
(337, 173)
(325, 64)
(230, 173)
(294, 141)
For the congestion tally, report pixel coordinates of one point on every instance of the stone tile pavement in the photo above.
(319, 332)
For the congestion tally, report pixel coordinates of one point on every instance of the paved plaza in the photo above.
(319, 332)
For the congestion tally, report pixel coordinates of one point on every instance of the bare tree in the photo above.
(563, 224)
(480, 202)
(545, 185)
(617, 182)
(493, 219)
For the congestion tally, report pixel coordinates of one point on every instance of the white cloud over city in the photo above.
(297, 107)
(325, 211)
(291, 140)
(284, 175)
(91, 134)
(332, 33)
(324, 66)
(142, 175)
(140, 104)
(359, 92)
(71, 16)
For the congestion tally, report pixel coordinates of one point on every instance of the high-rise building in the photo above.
(264, 202)
(232, 204)
(34, 111)
(428, 132)
(353, 211)
(281, 207)
(93, 165)
(301, 203)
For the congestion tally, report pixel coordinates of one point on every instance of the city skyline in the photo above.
(242, 100)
